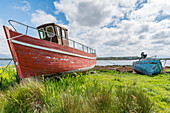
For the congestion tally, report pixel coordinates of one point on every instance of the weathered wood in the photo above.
(34, 57)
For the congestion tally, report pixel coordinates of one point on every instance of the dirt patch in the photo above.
(124, 68)
(115, 67)
(166, 69)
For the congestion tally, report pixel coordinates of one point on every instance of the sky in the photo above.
(113, 27)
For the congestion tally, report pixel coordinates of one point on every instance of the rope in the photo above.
(11, 38)
(15, 37)
(6, 67)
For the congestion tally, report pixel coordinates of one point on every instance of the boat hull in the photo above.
(148, 67)
(35, 57)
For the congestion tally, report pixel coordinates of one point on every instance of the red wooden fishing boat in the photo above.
(52, 53)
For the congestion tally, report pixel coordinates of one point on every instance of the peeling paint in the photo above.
(16, 63)
(35, 58)
(48, 57)
(64, 59)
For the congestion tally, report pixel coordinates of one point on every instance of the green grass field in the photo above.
(104, 91)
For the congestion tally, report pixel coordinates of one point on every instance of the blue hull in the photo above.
(148, 67)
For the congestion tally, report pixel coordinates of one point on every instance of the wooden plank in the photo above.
(35, 60)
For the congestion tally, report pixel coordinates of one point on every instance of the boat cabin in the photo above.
(53, 33)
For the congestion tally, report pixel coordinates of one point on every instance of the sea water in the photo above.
(5, 62)
(102, 62)
(124, 62)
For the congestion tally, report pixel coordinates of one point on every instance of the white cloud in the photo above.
(90, 13)
(136, 23)
(4, 49)
(26, 6)
(40, 17)
(151, 10)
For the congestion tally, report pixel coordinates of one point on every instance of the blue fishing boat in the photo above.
(147, 66)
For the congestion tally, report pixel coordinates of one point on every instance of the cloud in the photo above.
(113, 43)
(162, 34)
(144, 28)
(141, 37)
(92, 13)
(158, 42)
(163, 42)
(4, 49)
(120, 27)
(41, 17)
(151, 10)
(86, 13)
(26, 6)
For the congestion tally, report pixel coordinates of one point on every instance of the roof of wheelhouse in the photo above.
(53, 24)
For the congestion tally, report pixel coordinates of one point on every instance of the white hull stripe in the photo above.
(52, 50)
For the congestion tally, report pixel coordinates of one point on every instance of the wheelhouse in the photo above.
(56, 34)
(53, 33)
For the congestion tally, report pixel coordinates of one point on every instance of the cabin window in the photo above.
(42, 33)
(50, 31)
(63, 34)
(58, 31)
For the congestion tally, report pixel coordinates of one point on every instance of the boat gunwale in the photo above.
(84, 46)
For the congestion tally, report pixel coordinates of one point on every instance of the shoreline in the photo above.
(120, 68)
(123, 68)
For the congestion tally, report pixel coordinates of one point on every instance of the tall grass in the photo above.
(26, 97)
(106, 91)
(132, 99)
(8, 77)
(81, 94)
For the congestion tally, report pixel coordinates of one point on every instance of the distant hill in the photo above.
(119, 58)
(126, 58)
(4, 62)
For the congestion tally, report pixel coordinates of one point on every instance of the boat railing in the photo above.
(80, 46)
(72, 43)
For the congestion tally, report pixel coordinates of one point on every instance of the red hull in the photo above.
(35, 57)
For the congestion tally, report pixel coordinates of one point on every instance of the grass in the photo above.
(27, 97)
(156, 87)
(8, 77)
(105, 91)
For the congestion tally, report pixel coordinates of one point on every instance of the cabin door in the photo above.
(59, 35)
(65, 37)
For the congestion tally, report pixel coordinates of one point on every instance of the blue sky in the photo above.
(11, 9)
(112, 27)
